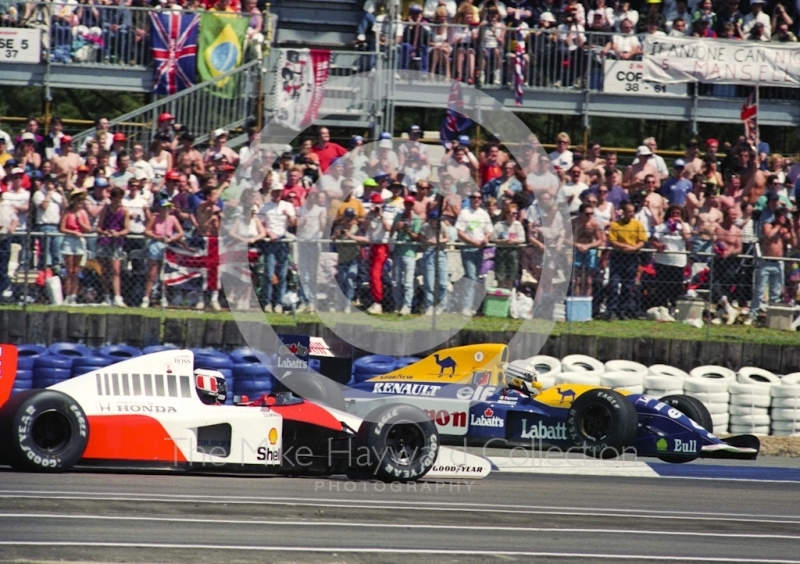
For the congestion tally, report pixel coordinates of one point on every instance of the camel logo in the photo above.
(444, 364)
(273, 436)
(661, 444)
(566, 394)
(294, 348)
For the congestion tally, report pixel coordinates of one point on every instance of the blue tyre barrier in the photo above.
(24, 388)
(158, 348)
(27, 354)
(248, 356)
(23, 375)
(254, 388)
(46, 383)
(97, 361)
(314, 364)
(119, 352)
(25, 362)
(251, 371)
(51, 361)
(211, 362)
(72, 350)
(405, 361)
(210, 352)
(359, 377)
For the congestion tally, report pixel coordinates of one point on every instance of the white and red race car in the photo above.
(155, 412)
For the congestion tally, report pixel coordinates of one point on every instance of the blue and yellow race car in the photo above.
(467, 394)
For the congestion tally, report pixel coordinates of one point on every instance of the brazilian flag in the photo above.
(221, 48)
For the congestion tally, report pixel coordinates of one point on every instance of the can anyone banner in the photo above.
(720, 61)
(300, 86)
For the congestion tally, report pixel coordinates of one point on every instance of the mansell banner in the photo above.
(300, 86)
(721, 61)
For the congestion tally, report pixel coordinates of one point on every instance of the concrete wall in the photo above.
(91, 329)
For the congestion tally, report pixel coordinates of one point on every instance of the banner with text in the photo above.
(627, 77)
(721, 61)
(300, 86)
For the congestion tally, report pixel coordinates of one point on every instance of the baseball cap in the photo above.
(396, 184)
(100, 182)
(349, 212)
(381, 177)
(547, 17)
(757, 2)
(370, 182)
(433, 214)
(415, 129)
(11, 163)
(376, 198)
(226, 167)
(275, 186)
(356, 139)
(680, 163)
(17, 170)
(643, 151)
(119, 136)
(37, 175)
(173, 175)
(712, 141)
(83, 168)
(28, 136)
(139, 175)
(463, 139)
(385, 135)
(704, 20)
(475, 194)
(66, 139)
(165, 117)
(217, 157)
(186, 136)
(409, 200)
(415, 8)
(692, 143)
(385, 144)
(220, 132)
(165, 203)
(773, 196)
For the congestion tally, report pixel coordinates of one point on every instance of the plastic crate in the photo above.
(496, 303)
(579, 308)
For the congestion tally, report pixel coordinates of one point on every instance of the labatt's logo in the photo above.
(544, 432)
(488, 419)
(292, 349)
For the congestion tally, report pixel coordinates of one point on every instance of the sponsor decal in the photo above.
(565, 394)
(183, 360)
(273, 436)
(268, 455)
(446, 363)
(293, 348)
(292, 353)
(168, 368)
(103, 406)
(405, 389)
(488, 419)
(544, 432)
(482, 378)
(144, 408)
(444, 418)
(478, 393)
(674, 413)
(687, 447)
(292, 363)
(458, 469)
(479, 356)
(661, 444)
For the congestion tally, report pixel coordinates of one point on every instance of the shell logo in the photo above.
(273, 436)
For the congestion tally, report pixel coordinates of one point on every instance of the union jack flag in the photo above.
(174, 40)
(519, 76)
(197, 261)
(749, 117)
(454, 122)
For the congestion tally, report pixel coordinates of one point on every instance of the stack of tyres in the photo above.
(119, 352)
(26, 356)
(85, 364)
(252, 380)
(69, 350)
(50, 370)
(23, 381)
(372, 365)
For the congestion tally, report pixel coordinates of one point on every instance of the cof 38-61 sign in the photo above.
(627, 77)
(19, 45)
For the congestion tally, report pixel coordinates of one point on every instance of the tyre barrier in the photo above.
(82, 365)
(713, 372)
(119, 352)
(23, 376)
(210, 352)
(315, 364)
(51, 361)
(70, 350)
(785, 412)
(405, 361)
(251, 379)
(664, 380)
(211, 362)
(582, 363)
(791, 379)
(626, 366)
(667, 370)
(27, 354)
(753, 375)
(158, 348)
(249, 356)
(592, 378)
(374, 364)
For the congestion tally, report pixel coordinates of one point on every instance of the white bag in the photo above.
(52, 286)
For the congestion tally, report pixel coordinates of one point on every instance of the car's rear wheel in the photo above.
(401, 441)
(44, 430)
(602, 423)
(695, 410)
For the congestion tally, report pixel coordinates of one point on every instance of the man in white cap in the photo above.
(413, 143)
(656, 160)
(219, 148)
(757, 15)
(635, 173)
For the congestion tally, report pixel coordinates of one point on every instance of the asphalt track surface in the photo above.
(92, 517)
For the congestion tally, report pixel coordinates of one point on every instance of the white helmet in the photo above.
(211, 386)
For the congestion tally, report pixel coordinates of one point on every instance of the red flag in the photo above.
(749, 117)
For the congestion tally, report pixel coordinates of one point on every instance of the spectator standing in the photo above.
(19, 198)
(491, 167)
(113, 225)
(757, 15)
(589, 237)
(474, 227)
(138, 162)
(378, 224)
(604, 211)
(311, 222)
(725, 264)
(636, 173)
(405, 230)
(508, 235)
(50, 202)
(208, 217)
(74, 224)
(219, 148)
(347, 236)
(562, 156)
(676, 187)
(775, 237)
(573, 188)
(670, 240)
(162, 229)
(326, 150)
(27, 156)
(187, 148)
(504, 184)
(138, 218)
(626, 237)
(278, 216)
(414, 40)
(434, 236)
(8, 224)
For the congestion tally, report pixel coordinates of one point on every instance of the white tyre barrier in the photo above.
(791, 379)
(720, 419)
(667, 370)
(785, 391)
(791, 426)
(630, 389)
(656, 393)
(778, 433)
(582, 363)
(620, 379)
(747, 410)
(546, 381)
(757, 376)
(755, 419)
(544, 364)
(786, 414)
(705, 385)
(663, 382)
(626, 366)
(786, 402)
(751, 400)
(711, 397)
(592, 378)
(713, 372)
(750, 429)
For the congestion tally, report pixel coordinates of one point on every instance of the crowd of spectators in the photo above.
(467, 38)
(114, 31)
(395, 217)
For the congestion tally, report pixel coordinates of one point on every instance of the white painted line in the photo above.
(445, 552)
(573, 466)
(373, 525)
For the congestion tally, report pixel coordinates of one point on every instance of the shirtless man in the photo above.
(769, 273)
(654, 201)
(694, 164)
(724, 265)
(733, 191)
(66, 165)
(593, 161)
(695, 199)
(753, 181)
(588, 237)
(636, 173)
(709, 216)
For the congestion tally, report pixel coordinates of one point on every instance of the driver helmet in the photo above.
(211, 386)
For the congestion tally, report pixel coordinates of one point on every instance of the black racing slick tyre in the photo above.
(695, 410)
(401, 441)
(602, 422)
(43, 431)
(315, 387)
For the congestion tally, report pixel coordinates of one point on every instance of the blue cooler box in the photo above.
(579, 308)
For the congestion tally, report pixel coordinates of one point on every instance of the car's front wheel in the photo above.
(602, 422)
